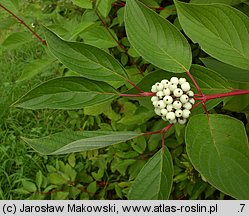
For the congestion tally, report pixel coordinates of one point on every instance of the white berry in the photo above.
(174, 80)
(165, 83)
(154, 89)
(164, 112)
(182, 121)
(182, 80)
(172, 87)
(185, 113)
(159, 86)
(178, 92)
(166, 91)
(160, 94)
(169, 107)
(177, 105)
(184, 98)
(161, 104)
(154, 98)
(157, 111)
(168, 100)
(178, 113)
(190, 93)
(187, 106)
(185, 86)
(155, 103)
(171, 116)
(192, 101)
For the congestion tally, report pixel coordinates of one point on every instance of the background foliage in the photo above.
(105, 173)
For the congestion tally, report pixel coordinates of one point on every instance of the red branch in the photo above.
(193, 80)
(197, 87)
(164, 131)
(23, 23)
(205, 98)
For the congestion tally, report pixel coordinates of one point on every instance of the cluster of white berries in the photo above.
(173, 100)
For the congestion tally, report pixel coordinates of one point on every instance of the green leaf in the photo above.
(87, 4)
(218, 148)
(156, 39)
(221, 31)
(150, 3)
(56, 179)
(121, 165)
(67, 142)
(228, 71)
(89, 61)
(39, 179)
(104, 6)
(98, 36)
(60, 195)
(92, 187)
(17, 39)
(29, 186)
(67, 93)
(35, 67)
(155, 179)
(229, 2)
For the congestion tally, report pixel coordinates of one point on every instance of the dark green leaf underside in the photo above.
(71, 141)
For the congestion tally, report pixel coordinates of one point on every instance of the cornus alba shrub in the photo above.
(217, 145)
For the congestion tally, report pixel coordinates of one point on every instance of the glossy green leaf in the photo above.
(17, 39)
(156, 39)
(218, 148)
(104, 6)
(67, 93)
(98, 36)
(89, 61)
(155, 179)
(221, 31)
(229, 2)
(150, 3)
(67, 142)
(228, 71)
(88, 4)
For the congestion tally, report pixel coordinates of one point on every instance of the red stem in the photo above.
(164, 131)
(205, 98)
(193, 80)
(135, 86)
(23, 23)
(153, 132)
(106, 27)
